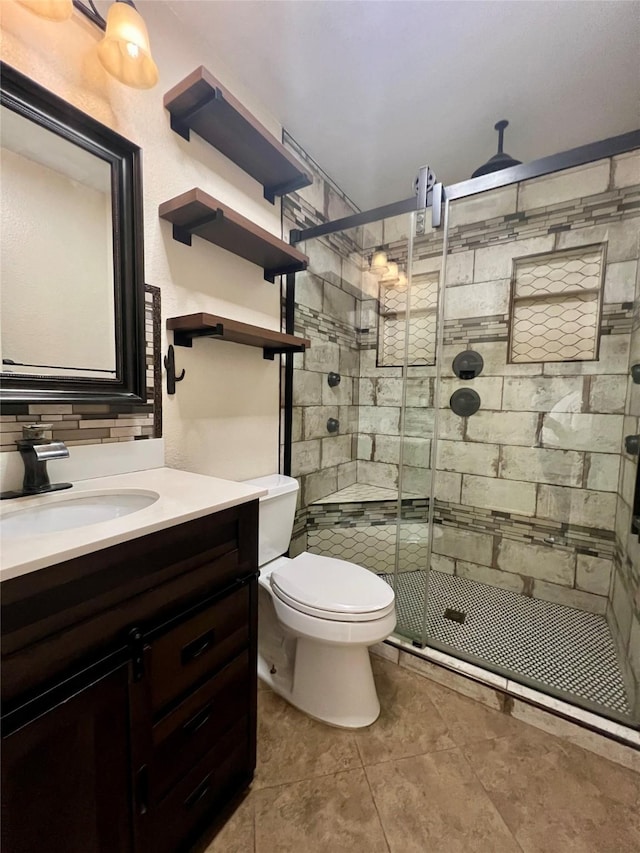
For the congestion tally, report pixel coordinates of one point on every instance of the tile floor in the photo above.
(437, 773)
(557, 646)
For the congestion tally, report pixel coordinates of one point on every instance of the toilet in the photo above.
(317, 618)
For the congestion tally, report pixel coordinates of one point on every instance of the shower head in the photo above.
(500, 160)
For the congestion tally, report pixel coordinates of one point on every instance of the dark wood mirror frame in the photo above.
(24, 96)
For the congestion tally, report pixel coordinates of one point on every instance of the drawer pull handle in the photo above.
(196, 648)
(200, 792)
(198, 720)
(142, 789)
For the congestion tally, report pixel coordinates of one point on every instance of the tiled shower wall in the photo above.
(98, 423)
(531, 492)
(533, 506)
(381, 383)
(326, 313)
(624, 601)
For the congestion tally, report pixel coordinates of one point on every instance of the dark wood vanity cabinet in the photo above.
(65, 774)
(129, 690)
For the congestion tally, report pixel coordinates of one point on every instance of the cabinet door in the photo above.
(65, 777)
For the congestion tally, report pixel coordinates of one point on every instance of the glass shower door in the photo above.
(534, 570)
(418, 420)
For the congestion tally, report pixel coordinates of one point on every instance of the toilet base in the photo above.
(331, 683)
(335, 684)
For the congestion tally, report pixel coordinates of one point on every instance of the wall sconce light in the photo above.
(124, 51)
(379, 262)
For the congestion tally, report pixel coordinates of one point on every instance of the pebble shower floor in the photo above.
(560, 647)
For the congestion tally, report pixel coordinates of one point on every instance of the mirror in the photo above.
(71, 277)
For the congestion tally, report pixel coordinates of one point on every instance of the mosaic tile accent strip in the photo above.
(99, 423)
(574, 214)
(352, 514)
(474, 330)
(319, 325)
(555, 307)
(152, 325)
(594, 542)
(617, 318)
(611, 206)
(342, 509)
(557, 646)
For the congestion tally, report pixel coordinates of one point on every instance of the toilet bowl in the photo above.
(317, 617)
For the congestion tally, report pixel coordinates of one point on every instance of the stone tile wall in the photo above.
(326, 312)
(536, 496)
(531, 491)
(98, 423)
(624, 597)
(383, 458)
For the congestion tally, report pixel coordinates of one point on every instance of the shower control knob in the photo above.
(465, 402)
(632, 444)
(468, 364)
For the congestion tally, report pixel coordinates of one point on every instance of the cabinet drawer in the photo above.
(188, 653)
(188, 808)
(198, 724)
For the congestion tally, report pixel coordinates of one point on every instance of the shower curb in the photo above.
(609, 739)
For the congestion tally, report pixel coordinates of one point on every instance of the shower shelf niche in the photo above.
(196, 212)
(191, 326)
(201, 104)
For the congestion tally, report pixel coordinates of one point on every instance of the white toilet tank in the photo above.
(277, 512)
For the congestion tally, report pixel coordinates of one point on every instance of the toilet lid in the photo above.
(332, 589)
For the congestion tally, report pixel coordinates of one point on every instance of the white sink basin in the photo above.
(51, 515)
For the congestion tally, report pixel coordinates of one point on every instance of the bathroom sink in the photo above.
(52, 516)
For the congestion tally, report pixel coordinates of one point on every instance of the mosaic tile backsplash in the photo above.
(99, 423)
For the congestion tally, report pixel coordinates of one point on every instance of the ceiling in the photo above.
(375, 89)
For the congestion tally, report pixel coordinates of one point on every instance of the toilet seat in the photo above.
(333, 589)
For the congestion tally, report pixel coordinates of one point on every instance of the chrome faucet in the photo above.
(36, 450)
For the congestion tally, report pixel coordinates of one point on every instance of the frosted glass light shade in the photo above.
(379, 262)
(124, 51)
(52, 10)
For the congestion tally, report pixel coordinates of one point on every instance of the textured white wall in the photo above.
(224, 418)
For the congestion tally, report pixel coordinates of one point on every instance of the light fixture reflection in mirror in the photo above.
(379, 262)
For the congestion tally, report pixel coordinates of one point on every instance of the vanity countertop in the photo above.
(183, 496)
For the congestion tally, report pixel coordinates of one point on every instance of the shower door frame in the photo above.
(421, 204)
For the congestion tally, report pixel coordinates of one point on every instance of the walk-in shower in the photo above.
(497, 497)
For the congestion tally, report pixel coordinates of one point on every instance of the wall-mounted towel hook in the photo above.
(170, 367)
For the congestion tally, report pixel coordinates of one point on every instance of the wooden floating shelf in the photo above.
(201, 104)
(191, 326)
(196, 212)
